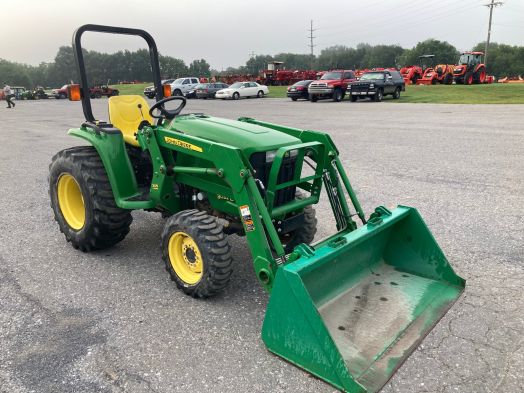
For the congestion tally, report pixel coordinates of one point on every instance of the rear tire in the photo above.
(480, 75)
(448, 80)
(294, 99)
(177, 92)
(102, 224)
(197, 253)
(313, 98)
(396, 94)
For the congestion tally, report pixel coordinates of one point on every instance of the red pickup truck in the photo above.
(332, 84)
(60, 93)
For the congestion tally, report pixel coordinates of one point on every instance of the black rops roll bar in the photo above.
(79, 58)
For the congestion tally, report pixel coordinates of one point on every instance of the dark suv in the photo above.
(376, 85)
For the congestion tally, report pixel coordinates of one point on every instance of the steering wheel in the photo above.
(167, 113)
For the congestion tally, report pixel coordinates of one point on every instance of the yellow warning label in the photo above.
(185, 145)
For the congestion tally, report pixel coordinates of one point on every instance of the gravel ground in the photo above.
(112, 321)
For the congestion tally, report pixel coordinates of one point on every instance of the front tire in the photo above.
(379, 95)
(260, 94)
(197, 253)
(306, 233)
(353, 98)
(468, 78)
(82, 200)
(337, 95)
(236, 96)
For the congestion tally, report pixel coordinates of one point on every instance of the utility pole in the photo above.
(491, 6)
(311, 46)
(251, 57)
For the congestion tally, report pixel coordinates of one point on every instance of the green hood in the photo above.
(249, 138)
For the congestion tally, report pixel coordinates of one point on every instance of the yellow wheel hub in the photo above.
(185, 257)
(71, 201)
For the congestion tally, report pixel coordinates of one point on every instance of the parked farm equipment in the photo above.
(441, 73)
(470, 69)
(411, 74)
(348, 309)
(511, 79)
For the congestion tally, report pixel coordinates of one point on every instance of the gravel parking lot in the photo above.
(112, 321)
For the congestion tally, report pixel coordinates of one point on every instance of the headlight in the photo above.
(270, 155)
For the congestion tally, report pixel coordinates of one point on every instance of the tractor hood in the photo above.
(249, 138)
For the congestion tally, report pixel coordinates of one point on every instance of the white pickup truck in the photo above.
(181, 86)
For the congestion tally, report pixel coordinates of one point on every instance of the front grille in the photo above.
(360, 87)
(287, 172)
(320, 86)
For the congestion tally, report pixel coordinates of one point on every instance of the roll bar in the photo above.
(79, 58)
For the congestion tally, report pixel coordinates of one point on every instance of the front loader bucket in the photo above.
(354, 308)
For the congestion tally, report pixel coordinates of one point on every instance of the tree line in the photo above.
(101, 68)
(503, 59)
(129, 66)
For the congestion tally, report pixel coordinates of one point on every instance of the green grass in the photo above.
(497, 93)
(137, 89)
(439, 94)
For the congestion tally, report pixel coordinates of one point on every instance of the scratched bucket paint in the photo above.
(352, 311)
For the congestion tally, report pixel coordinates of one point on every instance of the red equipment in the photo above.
(470, 69)
(442, 73)
(411, 74)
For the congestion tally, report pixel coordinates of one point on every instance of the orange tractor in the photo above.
(412, 73)
(442, 73)
(470, 69)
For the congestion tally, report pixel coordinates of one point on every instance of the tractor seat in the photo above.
(125, 115)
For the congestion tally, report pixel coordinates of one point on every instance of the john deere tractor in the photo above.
(349, 308)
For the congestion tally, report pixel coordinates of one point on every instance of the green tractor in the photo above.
(349, 308)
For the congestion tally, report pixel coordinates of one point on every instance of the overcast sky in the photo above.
(225, 32)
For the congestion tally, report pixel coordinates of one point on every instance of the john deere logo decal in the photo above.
(185, 145)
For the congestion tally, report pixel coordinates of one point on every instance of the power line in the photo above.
(492, 5)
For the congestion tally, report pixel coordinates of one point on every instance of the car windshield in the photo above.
(236, 85)
(302, 83)
(179, 81)
(64, 87)
(202, 85)
(332, 75)
(372, 76)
